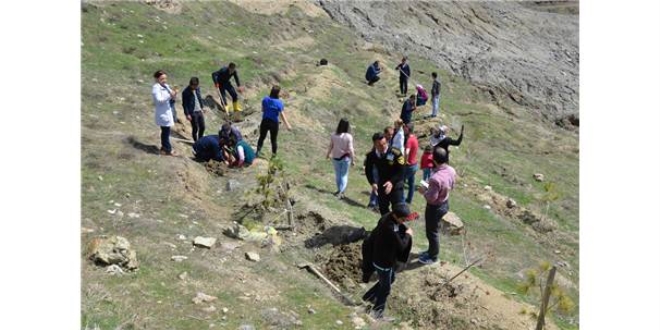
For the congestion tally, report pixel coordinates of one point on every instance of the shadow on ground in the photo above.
(148, 148)
(336, 235)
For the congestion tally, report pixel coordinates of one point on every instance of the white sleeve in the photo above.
(241, 153)
(159, 96)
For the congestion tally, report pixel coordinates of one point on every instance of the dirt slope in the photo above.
(517, 52)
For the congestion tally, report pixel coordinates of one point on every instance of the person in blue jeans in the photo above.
(343, 154)
(410, 154)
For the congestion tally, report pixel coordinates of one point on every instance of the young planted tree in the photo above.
(553, 298)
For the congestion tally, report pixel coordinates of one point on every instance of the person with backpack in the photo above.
(389, 242)
(372, 73)
(389, 163)
(193, 107)
(272, 107)
(161, 94)
(342, 152)
(222, 81)
(404, 75)
(437, 202)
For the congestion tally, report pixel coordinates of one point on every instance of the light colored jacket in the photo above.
(161, 96)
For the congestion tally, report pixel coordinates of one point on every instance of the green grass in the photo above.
(116, 64)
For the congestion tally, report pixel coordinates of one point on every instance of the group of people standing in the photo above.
(228, 145)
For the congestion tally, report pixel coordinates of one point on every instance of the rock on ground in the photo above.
(206, 242)
(115, 250)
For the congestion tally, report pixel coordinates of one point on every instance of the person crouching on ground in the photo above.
(390, 241)
(240, 153)
(437, 202)
(343, 154)
(372, 73)
(207, 148)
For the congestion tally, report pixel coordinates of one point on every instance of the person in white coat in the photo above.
(162, 94)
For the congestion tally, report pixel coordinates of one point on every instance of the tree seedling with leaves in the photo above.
(552, 296)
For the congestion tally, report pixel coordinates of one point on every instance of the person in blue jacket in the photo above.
(193, 107)
(207, 148)
(272, 107)
(372, 73)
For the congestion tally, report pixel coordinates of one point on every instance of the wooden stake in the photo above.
(546, 297)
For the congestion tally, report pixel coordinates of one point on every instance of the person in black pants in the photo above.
(272, 107)
(389, 162)
(404, 74)
(390, 241)
(194, 109)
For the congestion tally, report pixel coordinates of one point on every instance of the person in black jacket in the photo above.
(404, 74)
(194, 109)
(222, 81)
(390, 241)
(439, 138)
(389, 162)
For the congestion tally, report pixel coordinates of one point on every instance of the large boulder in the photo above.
(451, 224)
(115, 250)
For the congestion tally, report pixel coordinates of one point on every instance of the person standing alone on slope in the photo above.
(404, 75)
(161, 94)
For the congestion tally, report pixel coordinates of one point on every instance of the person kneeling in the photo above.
(239, 154)
(207, 148)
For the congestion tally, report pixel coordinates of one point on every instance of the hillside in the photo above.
(160, 204)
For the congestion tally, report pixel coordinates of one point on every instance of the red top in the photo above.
(427, 160)
(412, 145)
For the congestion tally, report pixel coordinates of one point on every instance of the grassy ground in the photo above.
(125, 42)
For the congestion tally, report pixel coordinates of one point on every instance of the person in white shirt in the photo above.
(162, 94)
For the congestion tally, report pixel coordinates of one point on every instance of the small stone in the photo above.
(224, 318)
(538, 177)
(488, 188)
(225, 310)
(203, 297)
(557, 252)
(117, 204)
(183, 276)
(246, 327)
(182, 237)
(112, 211)
(133, 215)
(358, 322)
(206, 242)
(487, 207)
(140, 36)
(86, 230)
(510, 203)
(100, 178)
(179, 258)
(473, 321)
(114, 270)
(209, 309)
(339, 322)
(252, 256)
(311, 311)
(232, 185)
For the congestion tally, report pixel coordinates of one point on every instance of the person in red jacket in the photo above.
(427, 162)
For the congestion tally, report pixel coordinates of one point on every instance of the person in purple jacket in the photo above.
(437, 202)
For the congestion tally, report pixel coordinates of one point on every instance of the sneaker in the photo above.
(426, 260)
(424, 254)
(336, 193)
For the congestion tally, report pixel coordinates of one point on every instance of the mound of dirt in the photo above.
(344, 265)
(215, 167)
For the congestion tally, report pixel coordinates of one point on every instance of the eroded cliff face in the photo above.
(513, 50)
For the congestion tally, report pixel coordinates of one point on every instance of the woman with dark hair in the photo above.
(341, 149)
(162, 94)
(272, 107)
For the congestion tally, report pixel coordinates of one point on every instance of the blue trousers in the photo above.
(165, 139)
(409, 179)
(341, 173)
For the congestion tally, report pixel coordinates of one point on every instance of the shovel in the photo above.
(310, 267)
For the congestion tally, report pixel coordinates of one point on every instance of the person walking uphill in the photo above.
(222, 81)
(404, 75)
(372, 73)
(193, 107)
(437, 202)
(161, 94)
(390, 241)
(389, 163)
(342, 152)
(272, 107)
